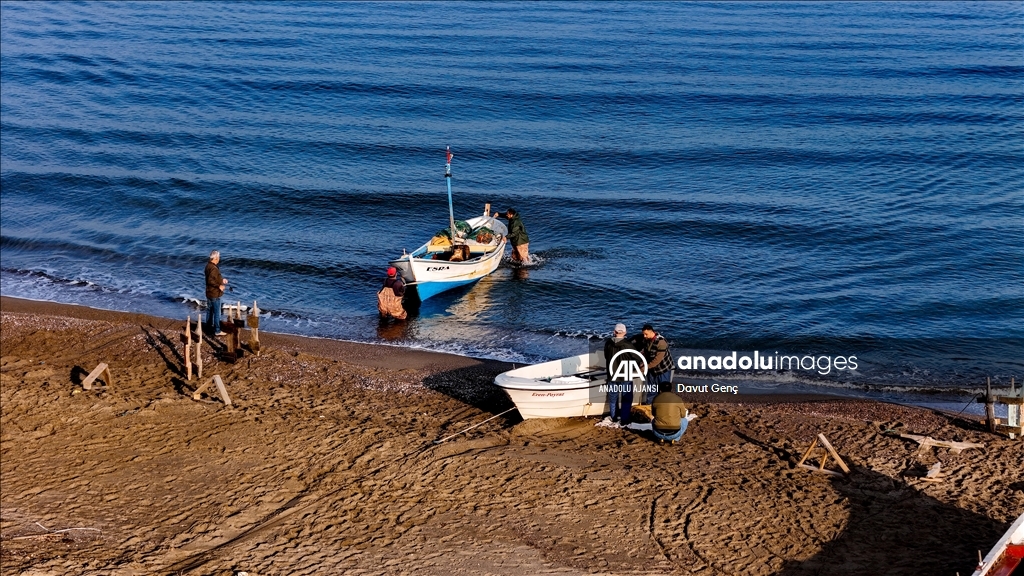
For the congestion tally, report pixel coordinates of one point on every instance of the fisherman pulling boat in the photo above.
(461, 254)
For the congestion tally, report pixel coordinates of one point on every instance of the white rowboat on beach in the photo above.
(565, 388)
(1006, 556)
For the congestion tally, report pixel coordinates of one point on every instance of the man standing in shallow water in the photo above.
(517, 237)
(215, 284)
(389, 297)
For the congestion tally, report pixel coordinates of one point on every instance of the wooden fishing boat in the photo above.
(473, 249)
(1007, 555)
(574, 386)
(436, 267)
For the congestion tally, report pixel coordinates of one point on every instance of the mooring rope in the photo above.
(473, 426)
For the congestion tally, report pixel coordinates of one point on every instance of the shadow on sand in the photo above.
(894, 528)
(474, 385)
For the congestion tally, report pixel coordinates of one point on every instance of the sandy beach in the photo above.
(327, 464)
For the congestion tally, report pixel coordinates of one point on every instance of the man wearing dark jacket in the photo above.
(517, 236)
(215, 284)
(620, 392)
(659, 361)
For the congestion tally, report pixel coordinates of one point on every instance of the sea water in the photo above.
(788, 178)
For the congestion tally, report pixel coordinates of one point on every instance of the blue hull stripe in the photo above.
(428, 289)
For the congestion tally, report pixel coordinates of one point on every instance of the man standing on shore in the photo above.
(659, 361)
(517, 237)
(215, 284)
(620, 392)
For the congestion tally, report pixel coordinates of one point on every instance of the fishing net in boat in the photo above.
(483, 235)
(462, 229)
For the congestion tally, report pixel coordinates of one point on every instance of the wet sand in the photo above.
(327, 465)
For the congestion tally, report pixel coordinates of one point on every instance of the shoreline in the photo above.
(327, 463)
(352, 350)
(360, 352)
(930, 399)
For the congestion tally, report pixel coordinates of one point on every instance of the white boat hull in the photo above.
(1004, 558)
(565, 388)
(431, 277)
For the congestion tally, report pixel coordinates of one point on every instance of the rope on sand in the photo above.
(473, 426)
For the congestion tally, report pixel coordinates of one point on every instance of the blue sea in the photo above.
(824, 179)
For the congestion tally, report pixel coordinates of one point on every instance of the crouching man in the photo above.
(670, 417)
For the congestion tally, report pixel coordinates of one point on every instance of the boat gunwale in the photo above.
(464, 271)
(498, 249)
(1014, 536)
(548, 387)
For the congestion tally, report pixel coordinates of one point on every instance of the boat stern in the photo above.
(565, 388)
(404, 266)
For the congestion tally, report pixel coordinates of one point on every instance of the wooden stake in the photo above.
(990, 406)
(832, 451)
(219, 384)
(101, 369)
(808, 452)
(199, 351)
(188, 347)
(254, 326)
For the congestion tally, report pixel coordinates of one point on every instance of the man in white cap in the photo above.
(215, 285)
(620, 392)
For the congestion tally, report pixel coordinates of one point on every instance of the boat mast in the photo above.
(448, 180)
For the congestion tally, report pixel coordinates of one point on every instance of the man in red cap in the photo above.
(389, 297)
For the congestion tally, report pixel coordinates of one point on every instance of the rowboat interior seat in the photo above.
(473, 249)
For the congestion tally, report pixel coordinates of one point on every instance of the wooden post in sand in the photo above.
(253, 320)
(216, 381)
(187, 338)
(99, 370)
(1014, 404)
(990, 406)
(231, 328)
(199, 350)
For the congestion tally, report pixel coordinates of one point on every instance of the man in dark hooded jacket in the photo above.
(517, 236)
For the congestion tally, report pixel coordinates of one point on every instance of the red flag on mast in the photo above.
(448, 154)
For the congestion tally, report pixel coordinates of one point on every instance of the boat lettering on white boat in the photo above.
(574, 386)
